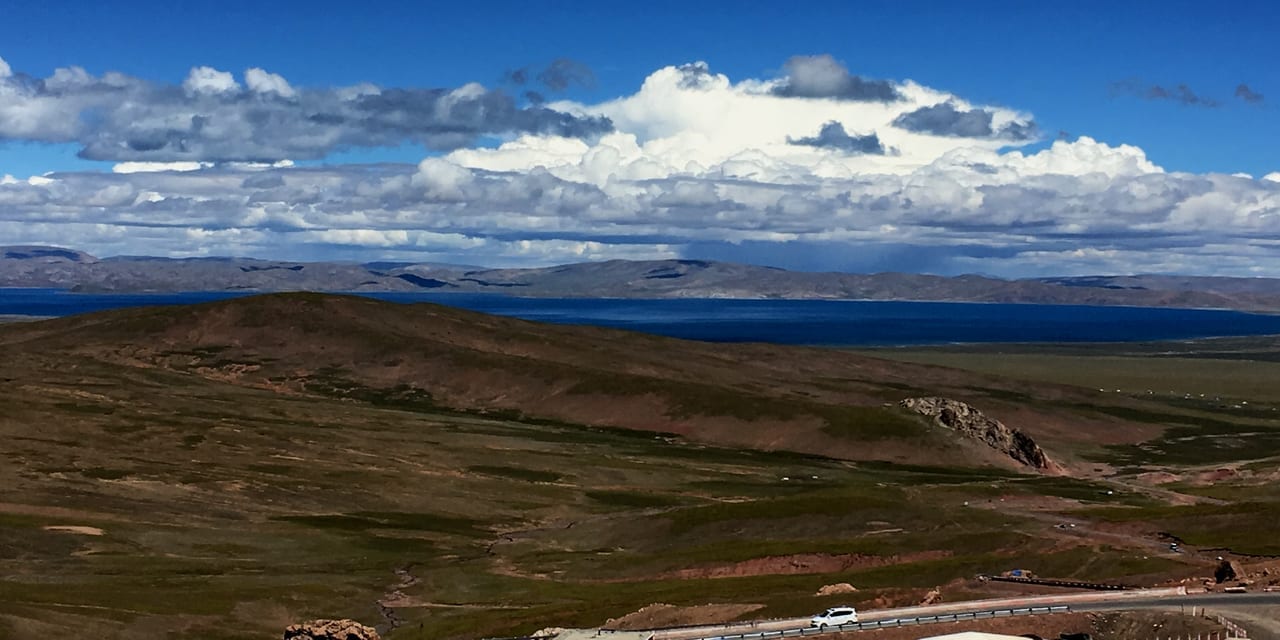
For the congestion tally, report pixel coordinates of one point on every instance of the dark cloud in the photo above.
(833, 136)
(946, 120)
(563, 72)
(824, 77)
(1249, 95)
(1019, 131)
(265, 180)
(1182, 94)
(694, 75)
(214, 118)
(517, 76)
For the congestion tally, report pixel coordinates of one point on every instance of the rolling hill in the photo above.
(224, 469)
(814, 401)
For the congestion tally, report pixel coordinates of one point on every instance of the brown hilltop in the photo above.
(431, 357)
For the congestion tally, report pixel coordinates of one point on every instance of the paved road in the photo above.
(1258, 613)
(1212, 600)
(1254, 611)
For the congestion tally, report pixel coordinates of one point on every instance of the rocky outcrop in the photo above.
(1227, 570)
(330, 630)
(972, 423)
(836, 589)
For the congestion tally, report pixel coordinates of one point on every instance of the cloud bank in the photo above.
(211, 116)
(813, 169)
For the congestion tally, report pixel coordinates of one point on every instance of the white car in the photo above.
(834, 617)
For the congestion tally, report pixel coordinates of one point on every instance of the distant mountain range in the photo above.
(78, 271)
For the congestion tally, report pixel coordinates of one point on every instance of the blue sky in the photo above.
(1161, 77)
(1056, 60)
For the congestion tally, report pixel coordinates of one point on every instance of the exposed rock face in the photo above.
(972, 423)
(836, 589)
(330, 630)
(1227, 570)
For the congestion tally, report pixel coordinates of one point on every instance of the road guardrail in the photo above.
(1070, 584)
(890, 623)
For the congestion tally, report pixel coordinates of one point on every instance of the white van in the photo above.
(834, 617)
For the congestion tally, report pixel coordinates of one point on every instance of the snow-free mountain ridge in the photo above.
(74, 270)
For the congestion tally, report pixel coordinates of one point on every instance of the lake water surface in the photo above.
(816, 322)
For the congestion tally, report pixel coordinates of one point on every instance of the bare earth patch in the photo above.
(1101, 626)
(1157, 477)
(660, 615)
(76, 529)
(801, 563)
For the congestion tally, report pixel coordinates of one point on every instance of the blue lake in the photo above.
(817, 322)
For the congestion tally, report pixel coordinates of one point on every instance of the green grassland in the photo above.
(1247, 528)
(228, 512)
(1230, 370)
(229, 507)
(1218, 400)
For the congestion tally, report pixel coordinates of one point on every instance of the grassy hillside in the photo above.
(222, 470)
(1216, 401)
(432, 357)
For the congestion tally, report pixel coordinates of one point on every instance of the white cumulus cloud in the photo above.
(443, 180)
(686, 117)
(260, 81)
(816, 169)
(140, 167)
(209, 80)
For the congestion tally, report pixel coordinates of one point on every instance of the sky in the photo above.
(1014, 139)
